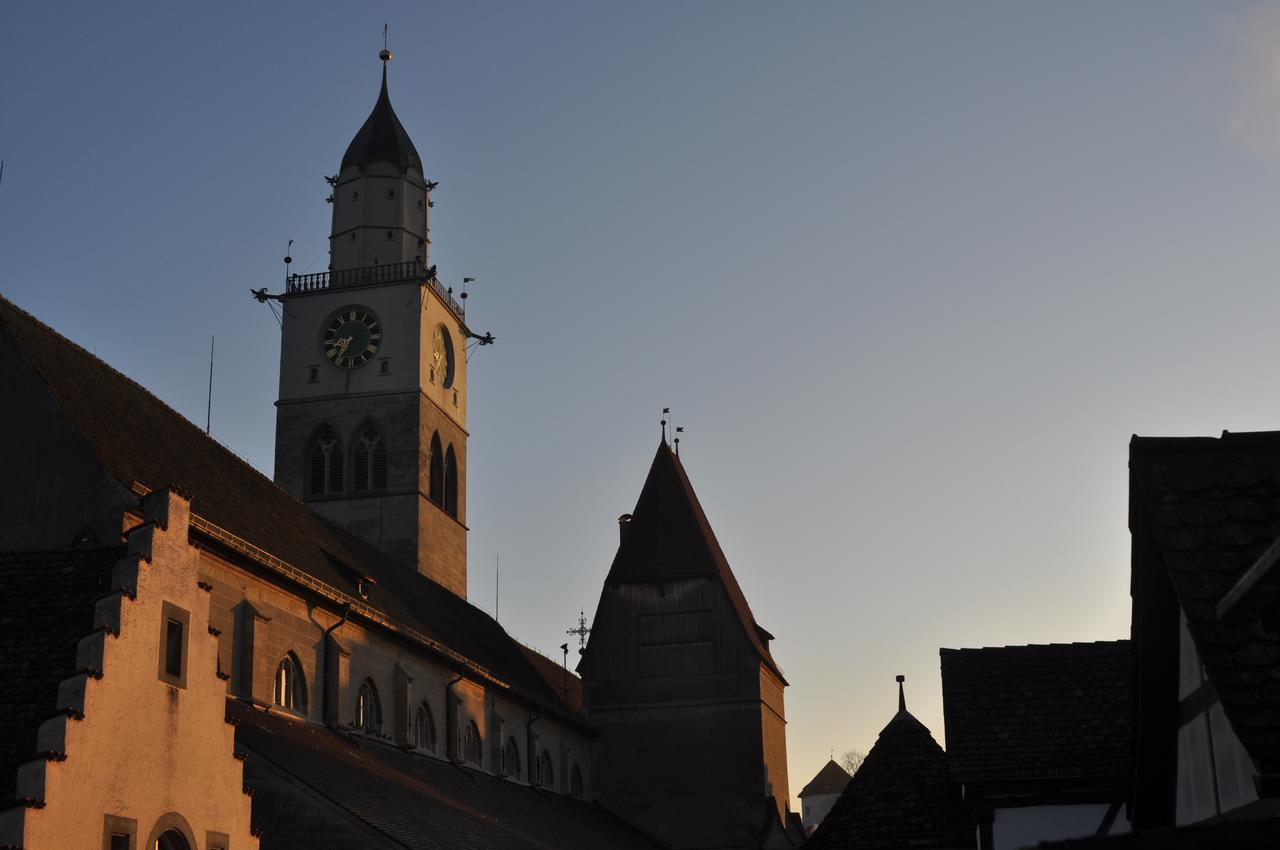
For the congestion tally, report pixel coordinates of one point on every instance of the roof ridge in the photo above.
(1116, 642)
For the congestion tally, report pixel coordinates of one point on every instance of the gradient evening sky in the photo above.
(910, 274)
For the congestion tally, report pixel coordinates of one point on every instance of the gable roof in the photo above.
(140, 439)
(1038, 712)
(830, 780)
(410, 800)
(898, 798)
(1214, 510)
(46, 608)
(669, 538)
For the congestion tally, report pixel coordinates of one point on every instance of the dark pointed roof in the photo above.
(898, 798)
(830, 780)
(669, 538)
(382, 138)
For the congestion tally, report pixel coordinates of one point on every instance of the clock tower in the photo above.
(371, 418)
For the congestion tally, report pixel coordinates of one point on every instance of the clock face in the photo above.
(442, 355)
(351, 337)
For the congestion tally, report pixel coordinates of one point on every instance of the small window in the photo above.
(424, 730)
(314, 375)
(431, 370)
(472, 744)
(575, 782)
(546, 776)
(385, 367)
(510, 758)
(173, 648)
(419, 203)
(391, 193)
(121, 842)
(289, 692)
(455, 398)
(368, 711)
(390, 235)
(355, 195)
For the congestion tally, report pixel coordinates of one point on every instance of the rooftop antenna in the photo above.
(208, 410)
(666, 411)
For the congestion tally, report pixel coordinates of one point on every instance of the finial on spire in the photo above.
(384, 54)
(902, 698)
(665, 412)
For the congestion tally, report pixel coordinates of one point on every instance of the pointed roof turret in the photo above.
(668, 537)
(382, 138)
(832, 779)
(899, 797)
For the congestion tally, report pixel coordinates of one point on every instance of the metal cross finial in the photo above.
(581, 631)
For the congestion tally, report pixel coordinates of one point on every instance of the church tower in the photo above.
(371, 417)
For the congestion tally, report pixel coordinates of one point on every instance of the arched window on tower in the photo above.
(424, 729)
(291, 689)
(324, 463)
(368, 711)
(575, 782)
(435, 490)
(369, 467)
(451, 483)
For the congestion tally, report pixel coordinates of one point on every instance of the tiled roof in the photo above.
(557, 677)
(899, 798)
(415, 801)
(670, 538)
(830, 780)
(1214, 506)
(45, 609)
(1038, 712)
(382, 138)
(140, 439)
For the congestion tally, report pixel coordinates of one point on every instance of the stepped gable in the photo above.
(830, 780)
(408, 799)
(1213, 507)
(140, 439)
(898, 798)
(46, 608)
(669, 538)
(1057, 710)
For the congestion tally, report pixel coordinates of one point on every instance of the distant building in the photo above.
(817, 798)
(1038, 739)
(899, 798)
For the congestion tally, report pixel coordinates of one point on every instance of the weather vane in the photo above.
(385, 55)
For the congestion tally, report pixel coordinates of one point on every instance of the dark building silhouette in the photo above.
(679, 679)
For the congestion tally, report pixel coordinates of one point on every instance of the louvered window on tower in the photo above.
(370, 466)
(324, 464)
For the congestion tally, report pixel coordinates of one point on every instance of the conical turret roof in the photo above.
(382, 138)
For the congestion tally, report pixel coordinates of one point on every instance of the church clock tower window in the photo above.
(326, 464)
(370, 465)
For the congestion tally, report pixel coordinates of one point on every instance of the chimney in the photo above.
(624, 522)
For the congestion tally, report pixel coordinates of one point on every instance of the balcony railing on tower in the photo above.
(300, 284)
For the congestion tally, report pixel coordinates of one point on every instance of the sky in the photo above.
(908, 274)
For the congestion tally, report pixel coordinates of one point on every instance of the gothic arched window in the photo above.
(575, 782)
(424, 729)
(369, 467)
(368, 711)
(291, 689)
(435, 490)
(545, 776)
(510, 758)
(451, 483)
(472, 744)
(324, 463)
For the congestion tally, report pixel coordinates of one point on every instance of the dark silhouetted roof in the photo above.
(45, 609)
(140, 439)
(1214, 506)
(557, 677)
(830, 780)
(1038, 712)
(382, 138)
(417, 802)
(670, 538)
(1219, 834)
(898, 798)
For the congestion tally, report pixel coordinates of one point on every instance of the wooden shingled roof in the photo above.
(669, 538)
